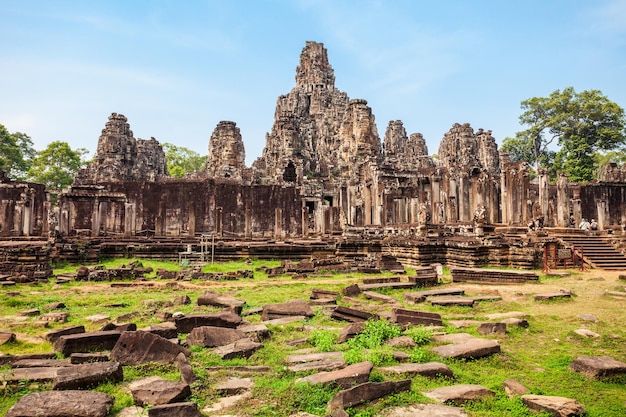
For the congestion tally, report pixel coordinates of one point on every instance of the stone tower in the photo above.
(227, 154)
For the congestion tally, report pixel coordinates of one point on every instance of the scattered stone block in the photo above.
(401, 341)
(317, 294)
(374, 296)
(327, 361)
(367, 391)
(515, 322)
(256, 332)
(586, 333)
(80, 358)
(186, 324)
(210, 298)
(127, 327)
(290, 308)
(425, 410)
(187, 409)
(459, 394)
(452, 301)
(30, 312)
(55, 317)
(242, 348)
(166, 330)
(98, 318)
(234, 386)
(598, 367)
(357, 373)
(186, 371)
(55, 306)
(471, 348)
(6, 337)
(351, 330)
(11, 359)
(351, 314)
(553, 296)
(41, 363)
(62, 403)
(155, 390)
(403, 317)
(557, 406)
(351, 290)
(210, 336)
(420, 296)
(492, 276)
(227, 403)
(86, 342)
(135, 348)
(429, 369)
(87, 375)
(514, 388)
(492, 328)
(182, 300)
(43, 374)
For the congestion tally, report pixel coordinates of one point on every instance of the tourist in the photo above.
(593, 225)
(572, 221)
(584, 225)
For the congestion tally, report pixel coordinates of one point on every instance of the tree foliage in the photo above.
(181, 160)
(16, 153)
(56, 165)
(578, 125)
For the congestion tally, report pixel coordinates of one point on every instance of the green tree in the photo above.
(16, 153)
(56, 165)
(181, 160)
(581, 124)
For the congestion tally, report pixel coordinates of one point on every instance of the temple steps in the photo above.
(597, 251)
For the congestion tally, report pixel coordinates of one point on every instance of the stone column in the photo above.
(602, 211)
(305, 222)
(191, 220)
(129, 219)
(219, 221)
(435, 191)
(247, 223)
(578, 211)
(562, 201)
(367, 204)
(544, 195)
(278, 217)
(102, 217)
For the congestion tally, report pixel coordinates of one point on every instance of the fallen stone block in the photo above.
(234, 386)
(425, 410)
(155, 390)
(184, 367)
(557, 406)
(374, 296)
(135, 348)
(317, 294)
(403, 316)
(243, 348)
(351, 290)
(351, 314)
(351, 330)
(86, 342)
(452, 301)
(87, 375)
(210, 298)
(62, 404)
(429, 369)
(10, 359)
(492, 328)
(6, 337)
(186, 324)
(514, 388)
(357, 373)
(420, 296)
(210, 336)
(290, 308)
(470, 349)
(187, 409)
(553, 296)
(80, 358)
(459, 394)
(44, 374)
(55, 317)
(367, 391)
(256, 332)
(598, 367)
(41, 363)
(166, 330)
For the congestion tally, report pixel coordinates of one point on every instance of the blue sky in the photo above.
(176, 69)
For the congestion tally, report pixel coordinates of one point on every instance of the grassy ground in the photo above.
(538, 356)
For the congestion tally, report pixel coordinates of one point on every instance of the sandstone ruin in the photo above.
(324, 175)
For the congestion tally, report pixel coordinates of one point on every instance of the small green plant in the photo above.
(420, 334)
(375, 333)
(323, 339)
(420, 355)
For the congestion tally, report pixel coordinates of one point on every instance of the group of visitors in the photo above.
(586, 226)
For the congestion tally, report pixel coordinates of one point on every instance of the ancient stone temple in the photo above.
(324, 173)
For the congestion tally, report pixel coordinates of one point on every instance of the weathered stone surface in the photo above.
(41, 363)
(234, 386)
(367, 391)
(557, 406)
(586, 333)
(155, 390)
(210, 336)
(227, 155)
(374, 296)
(87, 375)
(401, 341)
(184, 367)
(86, 342)
(552, 296)
(187, 409)
(357, 373)
(135, 348)
(513, 388)
(98, 318)
(351, 290)
(351, 330)
(6, 337)
(459, 394)
(403, 316)
(290, 308)
(80, 358)
(55, 316)
(167, 330)
(62, 404)
(351, 314)
(452, 301)
(11, 359)
(421, 296)
(598, 367)
(429, 369)
(256, 332)
(425, 410)
(242, 348)
(210, 298)
(44, 374)
(472, 348)
(492, 328)
(222, 319)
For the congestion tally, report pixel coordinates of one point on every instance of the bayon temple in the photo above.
(325, 184)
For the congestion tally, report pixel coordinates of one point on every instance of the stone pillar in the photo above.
(278, 217)
(367, 204)
(544, 195)
(191, 220)
(464, 199)
(129, 220)
(562, 201)
(453, 208)
(578, 211)
(602, 212)
(248, 223)
(435, 190)
(102, 217)
(305, 222)
(219, 221)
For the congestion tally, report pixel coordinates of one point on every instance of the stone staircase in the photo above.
(597, 251)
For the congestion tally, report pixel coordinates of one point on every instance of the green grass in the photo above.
(537, 356)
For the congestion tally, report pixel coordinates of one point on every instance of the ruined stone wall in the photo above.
(23, 209)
